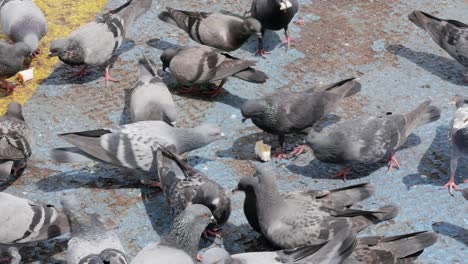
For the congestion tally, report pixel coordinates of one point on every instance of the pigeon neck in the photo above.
(185, 236)
(189, 139)
(268, 196)
(32, 41)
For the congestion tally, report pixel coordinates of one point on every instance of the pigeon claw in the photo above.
(212, 233)
(451, 186)
(199, 258)
(107, 78)
(343, 173)
(392, 162)
(215, 92)
(299, 22)
(82, 72)
(261, 53)
(280, 155)
(287, 41)
(297, 150)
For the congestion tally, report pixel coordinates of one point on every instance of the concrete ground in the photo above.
(397, 64)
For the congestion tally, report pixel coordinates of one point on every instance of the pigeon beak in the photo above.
(51, 55)
(213, 220)
(244, 119)
(235, 190)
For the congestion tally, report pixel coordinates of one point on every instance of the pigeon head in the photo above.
(461, 102)
(58, 47)
(252, 26)
(22, 49)
(216, 199)
(32, 41)
(209, 133)
(252, 108)
(14, 109)
(167, 56)
(246, 184)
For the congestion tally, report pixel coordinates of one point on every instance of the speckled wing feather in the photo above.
(451, 35)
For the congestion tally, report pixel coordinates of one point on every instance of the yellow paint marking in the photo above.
(63, 16)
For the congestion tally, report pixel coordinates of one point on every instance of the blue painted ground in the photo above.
(397, 64)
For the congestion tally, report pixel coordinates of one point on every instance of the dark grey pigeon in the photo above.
(183, 185)
(150, 98)
(451, 35)
(336, 198)
(23, 21)
(291, 223)
(12, 59)
(181, 244)
(292, 112)
(274, 15)
(95, 43)
(204, 65)
(458, 138)
(130, 145)
(25, 221)
(402, 249)
(91, 242)
(217, 30)
(15, 141)
(369, 139)
(334, 251)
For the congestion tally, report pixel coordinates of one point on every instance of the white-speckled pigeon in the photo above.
(12, 59)
(334, 251)
(203, 65)
(458, 138)
(15, 141)
(290, 223)
(25, 221)
(95, 43)
(400, 249)
(274, 15)
(217, 30)
(181, 244)
(150, 98)
(451, 35)
(292, 112)
(369, 139)
(183, 185)
(91, 242)
(336, 198)
(23, 21)
(130, 145)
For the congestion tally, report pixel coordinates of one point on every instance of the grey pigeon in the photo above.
(150, 98)
(181, 244)
(203, 65)
(217, 30)
(95, 43)
(23, 21)
(25, 221)
(91, 242)
(369, 139)
(274, 15)
(292, 112)
(130, 145)
(291, 223)
(15, 141)
(451, 35)
(12, 59)
(458, 138)
(183, 185)
(331, 252)
(336, 198)
(402, 249)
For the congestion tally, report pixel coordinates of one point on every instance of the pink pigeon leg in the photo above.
(261, 53)
(107, 78)
(299, 22)
(392, 162)
(8, 86)
(451, 183)
(343, 173)
(219, 89)
(82, 72)
(297, 150)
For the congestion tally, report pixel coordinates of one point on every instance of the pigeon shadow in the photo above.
(42, 252)
(434, 167)
(243, 238)
(161, 44)
(320, 170)
(447, 69)
(98, 177)
(456, 232)
(63, 74)
(271, 40)
(125, 118)
(13, 177)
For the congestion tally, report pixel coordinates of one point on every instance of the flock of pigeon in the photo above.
(309, 226)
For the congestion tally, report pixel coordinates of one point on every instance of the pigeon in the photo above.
(465, 193)
(130, 145)
(181, 244)
(150, 98)
(274, 15)
(96, 42)
(291, 223)
(24, 221)
(15, 141)
(12, 59)
(23, 21)
(202, 65)
(451, 35)
(183, 185)
(458, 138)
(330, 252)
(369, 139)
(391, 250)
(336, 198)
(292, 112)
(91, 242)
(217, 30)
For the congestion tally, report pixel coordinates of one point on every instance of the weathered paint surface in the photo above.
(397, 64)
